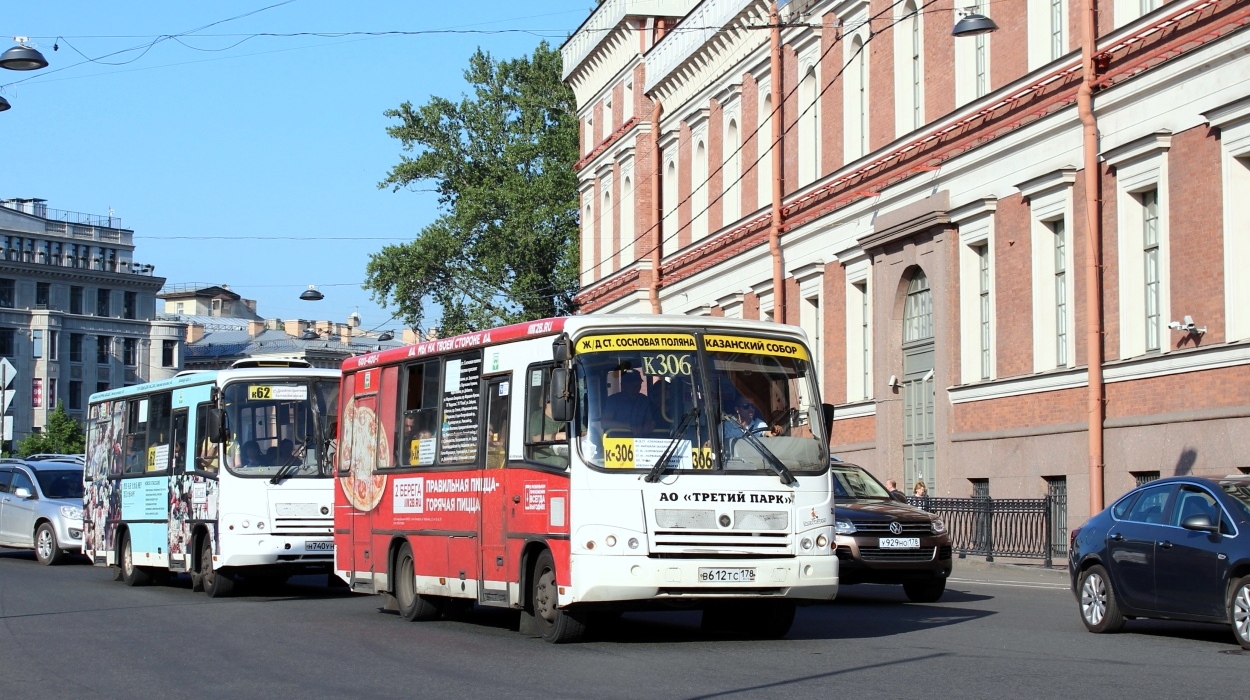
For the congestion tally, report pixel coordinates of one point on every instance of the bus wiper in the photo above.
(673, 440)
(295, 461)
(771, 459)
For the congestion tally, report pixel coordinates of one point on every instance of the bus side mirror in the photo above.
(828, 411)
(213, 426)
(560, 349)
(561, 401)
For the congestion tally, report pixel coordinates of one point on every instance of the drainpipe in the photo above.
(1093, 263)
(657, 201)
(774, 230)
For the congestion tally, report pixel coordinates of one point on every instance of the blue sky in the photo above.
(275, 137)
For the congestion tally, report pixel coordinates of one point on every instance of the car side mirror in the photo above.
(827, 409)
(1200, 523)
(561, 401)
(23, 493)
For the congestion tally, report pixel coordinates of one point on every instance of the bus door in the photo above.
(360, 456)
(492, 534)
(179, 496)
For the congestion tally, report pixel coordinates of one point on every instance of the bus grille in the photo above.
(299, 527)
(712, 542)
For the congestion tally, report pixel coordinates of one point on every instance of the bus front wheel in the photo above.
(132, 575)
(412, 606)
(217, 583)
(556, 625)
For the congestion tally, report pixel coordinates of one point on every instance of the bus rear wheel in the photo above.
(217, 583)
(412, 606)
(131, 575)
(556, 625)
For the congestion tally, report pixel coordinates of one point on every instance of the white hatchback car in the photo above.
(41, 507)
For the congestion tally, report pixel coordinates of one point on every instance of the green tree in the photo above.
(61, 435)
(504, 248)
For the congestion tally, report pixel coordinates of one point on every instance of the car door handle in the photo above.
(1165, 544)
(1117, 536)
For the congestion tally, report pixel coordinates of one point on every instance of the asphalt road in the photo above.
(72, 632)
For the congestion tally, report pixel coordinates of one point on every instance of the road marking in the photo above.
(1014, 584)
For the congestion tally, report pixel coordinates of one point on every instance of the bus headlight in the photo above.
(821, 541)
(610, 540)
(632, 543)
(806, 543)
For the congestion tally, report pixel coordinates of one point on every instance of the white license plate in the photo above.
(318, 546)
(900, 543)
(727, 575)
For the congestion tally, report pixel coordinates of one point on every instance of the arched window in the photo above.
(606, 246)
(732, 173)
(809, 128)
(908, 88)
(764, 159)
(856, 99)
(588, 245)
(918, 310)
(627, 221)
(670, 203)
(698, 198)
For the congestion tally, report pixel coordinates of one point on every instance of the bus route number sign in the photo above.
(666, 365)
(269, 392)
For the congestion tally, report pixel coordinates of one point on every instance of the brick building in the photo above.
(932, 227)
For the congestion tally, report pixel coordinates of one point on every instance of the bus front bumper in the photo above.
(597, 578)
(281, 550)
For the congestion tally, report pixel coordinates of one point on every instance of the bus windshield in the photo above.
(747, 404)
(280, 428)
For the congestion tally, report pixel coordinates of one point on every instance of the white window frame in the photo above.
(809, 122)
(811, 282)
(626, 207)
(858, 342)
(1233, 121)
(606, 245)
(588, 236)
(1043, 32)
(908, 69)
(731, 170)
(1050, 200)
(1128, 11)
(855, 95)
(976, 229)
(966, 68)
(763, 145)
(1140, 165)
(627, 101)
(699, 186)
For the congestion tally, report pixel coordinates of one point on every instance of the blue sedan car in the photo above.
(1174, 549)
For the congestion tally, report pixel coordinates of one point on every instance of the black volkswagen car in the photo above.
(1175, 549)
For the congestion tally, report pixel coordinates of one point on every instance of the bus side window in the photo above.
(418, 439)
(205, 451)
(178, 453)
(545, 439)
(159, 427)
(136, 444)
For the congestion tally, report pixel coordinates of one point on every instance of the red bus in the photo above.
(590, 463)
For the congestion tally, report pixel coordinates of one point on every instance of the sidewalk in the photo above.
(979, 570)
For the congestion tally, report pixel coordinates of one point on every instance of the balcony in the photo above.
(605, 18)
(695, 30)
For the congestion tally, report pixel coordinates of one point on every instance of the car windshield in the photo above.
(60, 483)
(1240, 492)
(273, 427)
(855, 483)
(752, 406)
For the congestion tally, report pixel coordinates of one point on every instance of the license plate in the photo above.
(727, 575)
(900, 543)
(318, 546)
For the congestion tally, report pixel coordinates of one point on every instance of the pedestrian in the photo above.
(920, 495)
(892, 486)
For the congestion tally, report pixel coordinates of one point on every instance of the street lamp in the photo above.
(20, 57)
(311, 294)
(973, 23)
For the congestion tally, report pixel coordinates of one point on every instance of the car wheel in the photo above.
(132, 575)
(1099, 610)
(412, 606)
(1239, 610)
(217, 583)
(555, 624)
(925, 591)
(46, 549)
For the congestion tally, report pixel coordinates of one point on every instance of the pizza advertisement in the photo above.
(363, 441)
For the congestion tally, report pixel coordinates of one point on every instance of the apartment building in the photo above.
(77, 313)
(930, 231)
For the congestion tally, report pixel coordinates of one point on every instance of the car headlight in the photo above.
(843, 527)
(71, 512)
(939, 527)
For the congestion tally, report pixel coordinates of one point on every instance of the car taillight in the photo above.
(1072, 538)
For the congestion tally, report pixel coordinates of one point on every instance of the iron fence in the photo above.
(1006, 527)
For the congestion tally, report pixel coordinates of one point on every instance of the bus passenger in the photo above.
(629, 408)
(250, 455)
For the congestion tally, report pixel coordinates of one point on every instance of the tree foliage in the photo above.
(504, 248)
(61, 435)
